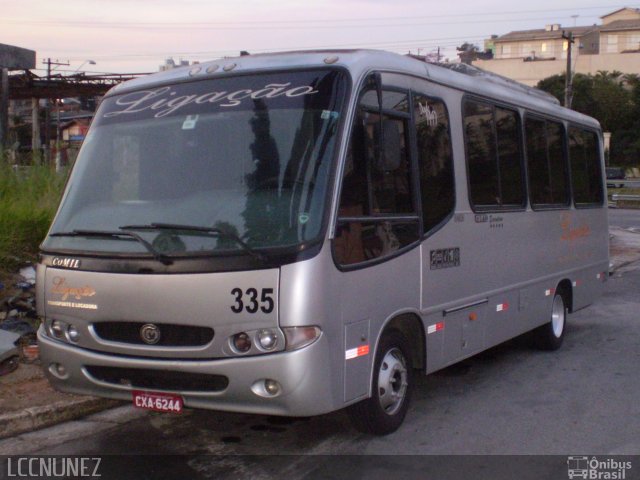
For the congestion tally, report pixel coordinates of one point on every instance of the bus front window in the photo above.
(247, 156)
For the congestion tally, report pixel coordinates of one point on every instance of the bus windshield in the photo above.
(234, 164)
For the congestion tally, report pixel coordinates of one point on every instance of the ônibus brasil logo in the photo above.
(595, 469)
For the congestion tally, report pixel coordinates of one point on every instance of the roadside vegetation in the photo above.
(613, 98)
(29, 198)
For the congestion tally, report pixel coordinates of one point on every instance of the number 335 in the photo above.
(248, 301)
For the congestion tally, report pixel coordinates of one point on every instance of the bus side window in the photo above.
(389, 173)
(375, 186)
(494, 157)
(586, 175)
(435, 160)
(546, 162)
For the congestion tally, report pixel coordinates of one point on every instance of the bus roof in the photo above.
(359, 63)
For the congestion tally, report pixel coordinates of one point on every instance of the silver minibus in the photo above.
(297, 233)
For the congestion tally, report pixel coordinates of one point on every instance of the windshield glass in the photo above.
(247, 157)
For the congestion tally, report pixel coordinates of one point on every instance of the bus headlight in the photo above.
(57, 329)
(241, 342)
(299, 337)
(73, 334)
(267, 339)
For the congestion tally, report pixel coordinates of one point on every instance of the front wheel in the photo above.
(385, 410)
(550, 335)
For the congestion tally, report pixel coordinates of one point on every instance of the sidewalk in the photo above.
(27, 401)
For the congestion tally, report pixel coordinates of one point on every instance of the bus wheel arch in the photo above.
(410, 325)
(565, 289)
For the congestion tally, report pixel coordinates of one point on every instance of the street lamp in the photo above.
(90, 62)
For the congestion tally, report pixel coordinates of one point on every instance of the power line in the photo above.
(445, 42)
(301, 26)
(252, 23)
(398, 45)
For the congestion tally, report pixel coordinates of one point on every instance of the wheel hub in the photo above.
(558, 316)
(392, 381)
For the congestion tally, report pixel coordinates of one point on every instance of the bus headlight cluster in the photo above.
(64, 331)
(254, 342)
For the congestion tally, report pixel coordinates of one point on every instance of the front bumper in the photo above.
(304, 375)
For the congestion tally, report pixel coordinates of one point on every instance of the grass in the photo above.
(625, 190)
(29, 198)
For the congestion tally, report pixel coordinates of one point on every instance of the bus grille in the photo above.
(158, 379)
(171, 335)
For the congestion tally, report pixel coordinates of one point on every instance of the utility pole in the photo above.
(47, 122)
(568, 83)
(4, 108)
(438, 55)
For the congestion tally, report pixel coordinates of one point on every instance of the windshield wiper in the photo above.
(216, 232)
(162, 258)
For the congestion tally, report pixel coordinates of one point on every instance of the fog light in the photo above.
(267, 339)
(57, 370)
(57, 330)
(266, 388)
(73, 334)
(271, 387)
(242, 342)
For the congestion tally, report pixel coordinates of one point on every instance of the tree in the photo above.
(613, 98)
(468, 52)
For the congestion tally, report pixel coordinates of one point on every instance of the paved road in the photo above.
(582, 399)
(626, 183)
(625, 218)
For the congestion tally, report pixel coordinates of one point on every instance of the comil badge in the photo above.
(65, 262)
(150, 334)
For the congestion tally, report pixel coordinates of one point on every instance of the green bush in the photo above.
(29, 198)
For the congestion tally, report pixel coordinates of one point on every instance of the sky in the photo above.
(134, 36)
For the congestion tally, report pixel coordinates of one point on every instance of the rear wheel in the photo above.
(384, 412)
(550, 335)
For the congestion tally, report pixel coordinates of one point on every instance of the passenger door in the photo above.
(455, 330)
(378, 229)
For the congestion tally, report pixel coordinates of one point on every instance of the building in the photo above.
(620, 31)
(75, 130)
(528, 56)
(170, 64)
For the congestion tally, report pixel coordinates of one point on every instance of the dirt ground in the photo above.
(27, 387)
(624, 246)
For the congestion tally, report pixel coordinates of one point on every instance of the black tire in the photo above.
(550, 335)
(384, 411)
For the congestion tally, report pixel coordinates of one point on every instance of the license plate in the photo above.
(160, 402)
